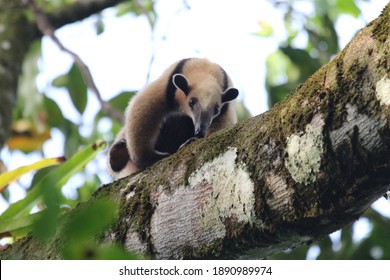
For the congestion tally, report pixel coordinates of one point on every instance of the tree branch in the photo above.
(46, 29)
(79, 10)
(16, 36)
(309, 166)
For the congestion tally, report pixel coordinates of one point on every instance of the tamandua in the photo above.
(190, 100)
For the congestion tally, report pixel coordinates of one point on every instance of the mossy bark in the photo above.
(309, 166)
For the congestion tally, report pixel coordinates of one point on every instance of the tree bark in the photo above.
(16, 35)
(309, 166)
(79, 10)
(15, 38)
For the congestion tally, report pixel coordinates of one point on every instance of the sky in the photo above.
(119, 58)
(221, 30)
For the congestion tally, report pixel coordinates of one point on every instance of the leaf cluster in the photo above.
(311, 41)
(37, 116)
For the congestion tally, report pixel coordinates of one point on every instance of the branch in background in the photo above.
(151, 22)
(145, 11)
(46, 29)
(79, 10)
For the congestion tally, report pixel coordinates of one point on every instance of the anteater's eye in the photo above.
(216, 110)
(192, 102)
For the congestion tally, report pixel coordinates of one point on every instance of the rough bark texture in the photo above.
(309, 166)
(16, 35)
(14, 42)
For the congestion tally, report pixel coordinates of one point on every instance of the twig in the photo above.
(46, 29)
(153, 39)
(145, 12)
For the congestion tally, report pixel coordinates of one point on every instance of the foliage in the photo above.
(86, 223)
(37, 115)
(45, 194)
(74, 82)
(10, 177)
(291, 65)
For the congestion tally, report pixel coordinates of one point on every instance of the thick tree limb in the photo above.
(311, 165)
(79, 10)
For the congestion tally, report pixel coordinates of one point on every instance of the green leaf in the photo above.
(55, 116)
(131, 7)
(61, 81)
(120, 101)
(11, 225)
(30, 100)
(89, 221)
(326, 248)
(280, 69)
(55, 179)
(41, 174)
(6, 195)
(77, 88)
(348, 7)
(125, 8)
(74, 82)
(73, 138)
(13, 175)
(302, 59)
(99, 25)
(279, 92)
(47, 223)
(323, 36)
(143, 7)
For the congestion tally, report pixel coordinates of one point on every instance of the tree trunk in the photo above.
(309, 166)
(15, 38)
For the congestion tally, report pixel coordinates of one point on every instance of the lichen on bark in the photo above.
(338, 106)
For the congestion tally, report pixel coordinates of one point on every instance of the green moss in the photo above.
(216, 143)
(381, 30)
(139, 209)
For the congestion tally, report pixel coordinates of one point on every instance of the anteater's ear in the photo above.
(181, 83)
(229, 95)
